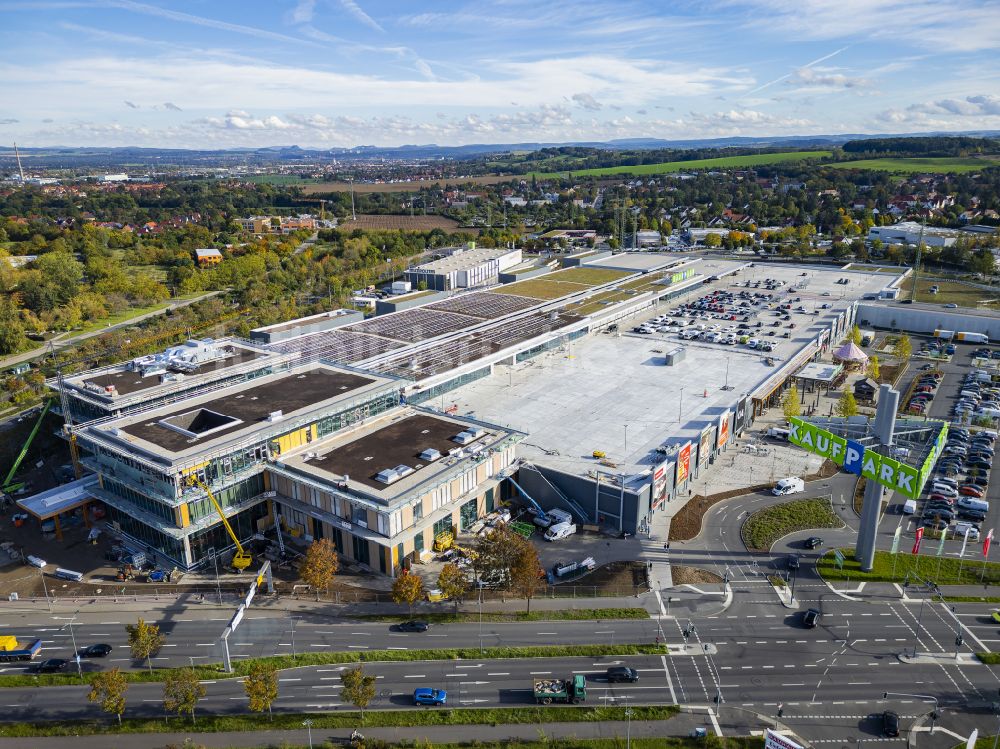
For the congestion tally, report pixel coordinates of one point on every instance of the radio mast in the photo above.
(20, 169)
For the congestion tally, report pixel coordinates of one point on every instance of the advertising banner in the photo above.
(724, 429)
(683, 464)
(916, 543)
(742, 420)
(660, 483)
(774, 740)
(986, 543)
(705, 446)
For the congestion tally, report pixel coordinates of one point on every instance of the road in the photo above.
(58, 344)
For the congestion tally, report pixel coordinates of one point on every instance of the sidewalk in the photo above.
(731, 723)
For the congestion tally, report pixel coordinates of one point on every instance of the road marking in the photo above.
(504, 673)
(715, 722)
(670, 682)
(857, 683)
(204, 644)
(796, 684)
(533, 673)
(546, 633)
(414, 676)
(362, 647)
(289, 680)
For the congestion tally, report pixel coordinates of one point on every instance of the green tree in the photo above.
(358, 688)
(181, 691)
(903, 348)
(320, 565)
(874, 368)
(261, 685)
(847, 405)
(407, 588)
(109, 688)
(12, 337)
(855, 335)
(524, 572)
(452, 583)
(790, 405)
(145, 641)
(712, 240)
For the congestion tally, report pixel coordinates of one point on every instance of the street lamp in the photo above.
(48, 601)
(628, 725)
(308, 724)
(72, 634)
(215, 561)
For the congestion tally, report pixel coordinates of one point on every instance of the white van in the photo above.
(909, 507)
(790, 485)
(959, 530)
(939, 488)
(560, 530)
(971, 503)
(778, 433)
(991, 413)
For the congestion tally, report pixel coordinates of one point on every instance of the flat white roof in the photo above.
(461, 259)
(59, 499)
(634, 261)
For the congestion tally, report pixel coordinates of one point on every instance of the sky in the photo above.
(343, 73)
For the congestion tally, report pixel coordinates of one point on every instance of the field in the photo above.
(724, 162)
(312, 188)
(588, 276)
(540, 288)
(369, 222)
(950, 293)
(912, 166)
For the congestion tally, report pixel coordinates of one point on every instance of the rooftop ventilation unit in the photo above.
(430, 455)
(275, 416)
(464, 438)
(403, 470)
(387, 476)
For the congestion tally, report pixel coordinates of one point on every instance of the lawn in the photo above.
(540, 288)
(723, 162)
(588, 276)
(950, 292)
(913, 166)
(766, 526)
(128, 314)
(371, 719)
(925, 565)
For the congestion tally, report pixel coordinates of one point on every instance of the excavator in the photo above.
(242, 558)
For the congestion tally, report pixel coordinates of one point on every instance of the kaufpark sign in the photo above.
(853, 457)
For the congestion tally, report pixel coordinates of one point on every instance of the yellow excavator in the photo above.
(242, 559)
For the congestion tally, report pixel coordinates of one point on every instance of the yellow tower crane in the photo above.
(242, 558)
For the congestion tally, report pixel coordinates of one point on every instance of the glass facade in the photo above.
(148, 536)
(433, 392)
(244, 526)
(149, 505)
(232, 495)
(550, 345)
(467, 515)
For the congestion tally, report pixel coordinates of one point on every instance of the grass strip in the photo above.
(570, 742)
(990, 659)
(939, 570)
(372, 719)
(517, 616)
(766, 526)
(241, 668)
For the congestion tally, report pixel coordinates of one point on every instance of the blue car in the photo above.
(426, 696)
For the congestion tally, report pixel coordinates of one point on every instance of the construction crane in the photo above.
(242, 559)
(8, 487)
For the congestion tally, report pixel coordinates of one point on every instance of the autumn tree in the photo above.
(319, 565)
(181, 691)
(407, 588)
(452, 583)
(496, 552)
(903, 349)
(109, 688)
(791, 405)
(261, 685)
(358, 688)
(855, 335)
(712, 240)
(524, 572)
(847, 405)
(874, 368)
(144, 640)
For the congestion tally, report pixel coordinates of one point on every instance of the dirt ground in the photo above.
(692, 575)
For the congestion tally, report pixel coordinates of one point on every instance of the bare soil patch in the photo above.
(692, 575)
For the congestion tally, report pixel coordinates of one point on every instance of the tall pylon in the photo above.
(20, 169)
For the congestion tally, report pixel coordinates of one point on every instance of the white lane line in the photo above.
(414, 676)
(670, 682)
(499, 673)
(538, 673)
(715, 723)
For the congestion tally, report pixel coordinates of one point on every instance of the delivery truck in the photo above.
(972, 337)
(13, 649)
(572, 690)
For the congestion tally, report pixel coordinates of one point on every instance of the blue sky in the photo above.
(325, 73)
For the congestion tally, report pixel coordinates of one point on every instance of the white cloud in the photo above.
(355, 10)
(171, 106)
(587, 101)
(303, 11)
(980, 111)
(820, 78)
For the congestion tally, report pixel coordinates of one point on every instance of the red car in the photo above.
(941, 498)
(971, 490)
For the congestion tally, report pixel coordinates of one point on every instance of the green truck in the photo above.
(572, 690)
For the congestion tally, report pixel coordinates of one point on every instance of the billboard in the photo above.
(855, 458)
(742, 419)
(724, 429)
(683, 464)
(774, 740)
(660, 483)
(705, 445)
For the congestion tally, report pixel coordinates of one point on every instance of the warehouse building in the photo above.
(463, 267)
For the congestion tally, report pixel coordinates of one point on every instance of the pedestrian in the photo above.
(666, 546)
(657, 639)
(781, 709)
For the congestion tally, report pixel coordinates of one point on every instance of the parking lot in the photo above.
(960, 494)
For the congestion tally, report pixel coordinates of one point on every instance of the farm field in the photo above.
(312, 188)
(405, 223)
(910, 166)
(950, 292)
(680, 166)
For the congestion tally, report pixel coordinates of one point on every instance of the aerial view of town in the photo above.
(580, 375)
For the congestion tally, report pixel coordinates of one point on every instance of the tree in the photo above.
(452, 583)
(407, 588)
(847, 405)
(712, 240)
(261, 685)
(319, 565)
(181, 691)
(358, 688)
(855, 335)
(496, 553)
(903, 349)
(109, 688)
(791, 405)
(145, 641)
(524, 572)
(874, 368)
(12, 336)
